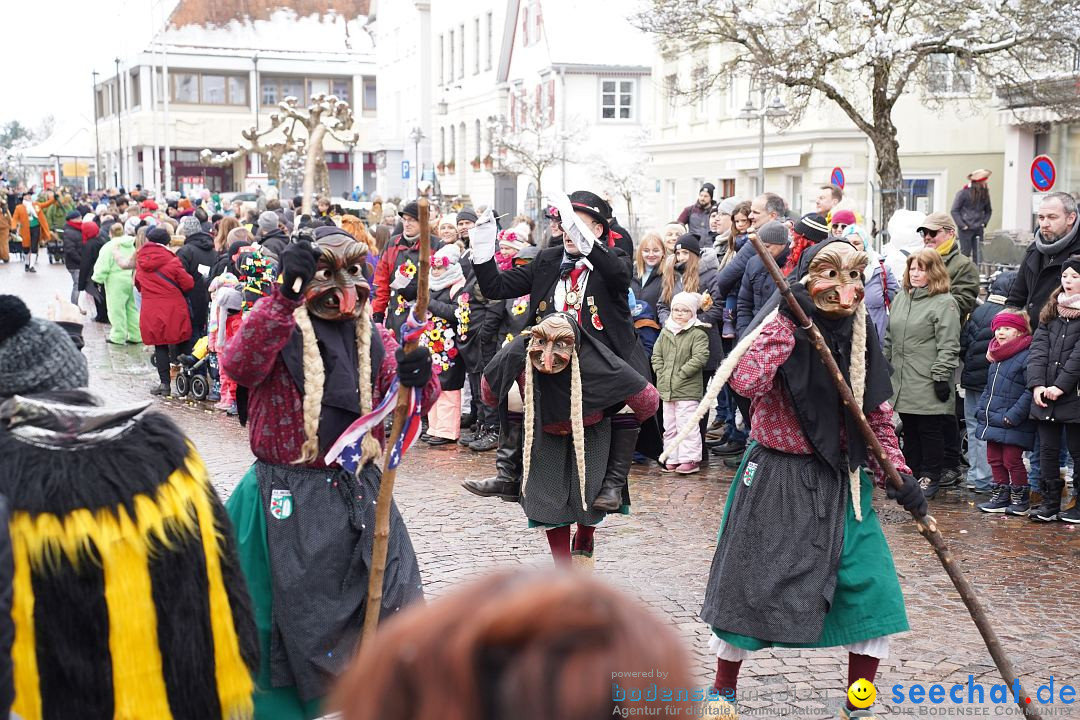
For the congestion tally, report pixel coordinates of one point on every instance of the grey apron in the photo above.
(552, 493)
(319, 528)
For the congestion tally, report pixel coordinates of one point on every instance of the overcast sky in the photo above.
(53, 46)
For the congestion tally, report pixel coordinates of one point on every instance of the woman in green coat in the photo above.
(113, 269)
(923, 347)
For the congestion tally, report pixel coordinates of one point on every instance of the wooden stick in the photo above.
(927, 526)
(381, 538)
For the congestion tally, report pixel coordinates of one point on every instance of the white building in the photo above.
(226, 67)
(401, 30)
(703, 140)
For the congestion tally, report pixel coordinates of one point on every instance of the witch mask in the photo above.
(339, 290)
(552, 343)
(836, 279)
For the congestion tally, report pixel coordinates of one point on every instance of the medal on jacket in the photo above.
(571, 298)
(595, 312)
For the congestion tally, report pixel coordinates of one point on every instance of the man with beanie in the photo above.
(696, 217)
(128, 591)
(198, 257)
(402, 254)
(757, 283)
(72, 242)
(270, 235)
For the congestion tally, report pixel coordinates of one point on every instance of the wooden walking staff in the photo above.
(386, 489)
(927, 526)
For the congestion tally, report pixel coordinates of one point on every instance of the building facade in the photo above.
(944, 131)
(198, 84)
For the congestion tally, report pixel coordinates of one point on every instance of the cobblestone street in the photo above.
(1026, 573)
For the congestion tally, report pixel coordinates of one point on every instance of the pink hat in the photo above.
(1007, 318)
(842, 217)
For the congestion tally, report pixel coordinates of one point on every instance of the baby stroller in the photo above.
(55, 250)
(194, 377)
(15, 247)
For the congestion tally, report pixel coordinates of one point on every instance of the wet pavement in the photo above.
(1025, 573)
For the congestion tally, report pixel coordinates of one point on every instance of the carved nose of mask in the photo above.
(549, 359)
(848, 295)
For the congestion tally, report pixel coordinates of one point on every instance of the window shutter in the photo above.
(551, 101)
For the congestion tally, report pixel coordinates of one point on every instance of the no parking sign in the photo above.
(1043, 173)
(837, 177)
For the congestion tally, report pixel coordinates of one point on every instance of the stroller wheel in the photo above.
(199, 387)
(182, 384)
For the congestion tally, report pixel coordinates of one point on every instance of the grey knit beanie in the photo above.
(36, 355)
(774, 233)
(189, 225)
(268, 222)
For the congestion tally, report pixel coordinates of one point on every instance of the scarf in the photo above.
(999, 351)
(569, 263)
(452, 275)
(1050, 249)
(1068, 306)
(944, 248)
(674, 328)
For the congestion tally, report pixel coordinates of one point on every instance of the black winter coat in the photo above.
(88, 257)
(73, 246)
(274, 242)
(970, 218)
(756, 289)
(1054, 359)
(608, 284)
(1039, 275)
(976, 334)
(198, 257)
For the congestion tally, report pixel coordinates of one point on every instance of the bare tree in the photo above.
(326, 115)
(623, 174)
(530, 143)
(863, 55)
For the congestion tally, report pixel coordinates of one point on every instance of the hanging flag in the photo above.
(410, 432)
(348, 444)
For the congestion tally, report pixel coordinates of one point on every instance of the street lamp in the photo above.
(97, 143)
(119, 125)
(256, 96)
(416, 136)
(773, 111)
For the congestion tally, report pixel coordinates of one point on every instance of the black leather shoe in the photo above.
(728, 449)
(494, 487)
(732, 462)
(435, 440)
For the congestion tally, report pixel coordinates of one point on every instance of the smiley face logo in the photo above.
(862, 693)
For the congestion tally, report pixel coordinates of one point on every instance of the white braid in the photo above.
(369, 446)
(717, 384)
(857, 372)
(577, 424)
(529, 418)
(314, 380)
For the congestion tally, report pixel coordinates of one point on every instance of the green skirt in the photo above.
(867, 602)
(249, 523)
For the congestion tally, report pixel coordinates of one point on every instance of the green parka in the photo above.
(923, 345)
(678, 361)
(963, 280)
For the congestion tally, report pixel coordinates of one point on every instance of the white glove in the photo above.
(574, 226)
(401, 280)
(482, 238)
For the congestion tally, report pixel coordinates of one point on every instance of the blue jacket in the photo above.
(1006, 397)
(756, 289)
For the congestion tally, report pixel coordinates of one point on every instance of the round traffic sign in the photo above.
(1043, 173)
(837, 177)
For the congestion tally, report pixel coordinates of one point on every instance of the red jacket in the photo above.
(164, 318)
(387, 267)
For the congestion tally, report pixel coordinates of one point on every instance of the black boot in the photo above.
(506, 484)
(1050, 507)
(620, 456)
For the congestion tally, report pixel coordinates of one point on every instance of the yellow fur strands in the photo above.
(124, 544)
(723, 373)
(857, 372)
(314, 381)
